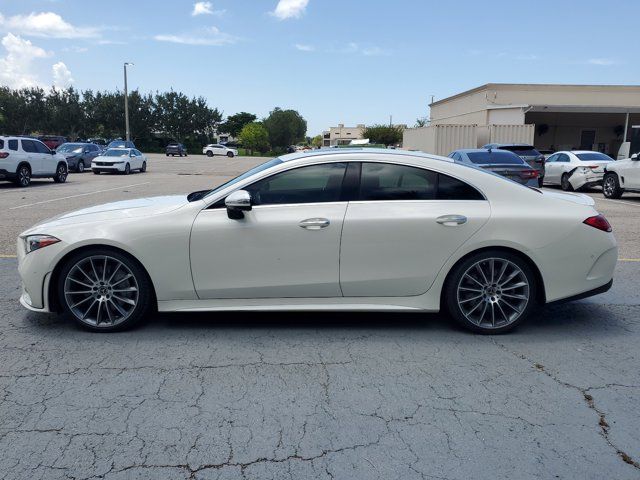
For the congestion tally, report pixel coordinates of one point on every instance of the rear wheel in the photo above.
(23, 176)
(491, 292)
(104, 290)
(144, 167)
(611, 186)
(61, 173)
(565, 184)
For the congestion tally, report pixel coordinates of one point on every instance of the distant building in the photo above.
(341, 135)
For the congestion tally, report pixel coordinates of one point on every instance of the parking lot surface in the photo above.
(322, 395)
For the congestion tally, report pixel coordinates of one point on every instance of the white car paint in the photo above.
(116, 159)
(217, 149)
(627, 172)
(15, 151)
(579, 172)
(378, 255)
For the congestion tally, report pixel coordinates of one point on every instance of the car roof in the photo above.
(498, 145)
(351, 151)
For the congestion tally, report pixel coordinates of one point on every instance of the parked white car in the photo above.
(119, 160)
(217, 149)
(622, 176)
(575, 169)
(337, 230)
(22, 159)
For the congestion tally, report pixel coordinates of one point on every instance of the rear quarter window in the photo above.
(13, 145)
(450, 188)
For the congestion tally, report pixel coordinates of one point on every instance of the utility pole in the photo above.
(126, 103)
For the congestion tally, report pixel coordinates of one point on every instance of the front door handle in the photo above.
(314, 223)
(451, 220)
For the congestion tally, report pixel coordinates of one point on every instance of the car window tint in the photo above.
(593, 156)
(493, 157)
(523, 150)
(563, 157)
(312, 184)
(552, 158)
(450, 188)
(29, 146)
(42, 148)
(13, 145)
(384, 181)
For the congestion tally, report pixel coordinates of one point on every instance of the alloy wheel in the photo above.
(101, 291)
(24, 176)
(493, 293)
(609, 186)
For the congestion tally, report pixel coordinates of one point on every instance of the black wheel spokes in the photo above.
(493, 293)
(101, 291)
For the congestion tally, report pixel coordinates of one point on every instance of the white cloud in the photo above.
(354, 48)
(45, 24)
(603, 62)
(16, 68)
(375, 52)
(304, 48)
(205, 8)
(290, 9)
(208, 37)
(61, 76)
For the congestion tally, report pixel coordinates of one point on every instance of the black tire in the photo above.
(167, 154)
(180, 154)
(611, 186)
(96, 172)
(565, 184)
(230, 154)
(80, 167)
(23, 176)
(145, 295)
(127, 169)
(144, 167)
(454, 286)
(540, 182)
(209, 153)
(61, 173)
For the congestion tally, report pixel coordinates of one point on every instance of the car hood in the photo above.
(579, 198)
(141, 207)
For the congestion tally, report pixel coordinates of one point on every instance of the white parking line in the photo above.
(79, 195)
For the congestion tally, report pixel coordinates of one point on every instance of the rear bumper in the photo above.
(6, 175)
(579, 180)
(596, 291)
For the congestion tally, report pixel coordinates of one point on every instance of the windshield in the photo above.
(70, 147)
(117, 144)
(495, 157)
(247, 174)
(116, 153)
(585, 157)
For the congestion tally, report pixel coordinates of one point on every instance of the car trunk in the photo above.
(517, 173)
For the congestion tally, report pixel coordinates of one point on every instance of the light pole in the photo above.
(126, 103)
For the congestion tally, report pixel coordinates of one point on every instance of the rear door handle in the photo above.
(314, 223)
(451, 220)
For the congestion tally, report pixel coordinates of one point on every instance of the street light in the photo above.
(126, 102)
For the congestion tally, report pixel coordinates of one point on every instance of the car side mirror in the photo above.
(635, 157)
(52, 152)
(236, 203)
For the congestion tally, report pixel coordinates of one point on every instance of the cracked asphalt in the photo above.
(327, 396)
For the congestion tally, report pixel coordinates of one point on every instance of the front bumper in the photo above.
(108, 167)
(35, 272)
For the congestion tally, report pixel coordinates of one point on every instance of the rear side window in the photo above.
(585, 157)
(13, 145)
(29, 146)
(312, 184)
(450, 188)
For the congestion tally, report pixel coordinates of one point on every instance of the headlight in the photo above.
(36, 242)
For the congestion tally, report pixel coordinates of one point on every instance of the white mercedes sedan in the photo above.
(575, 169)
(348, 230)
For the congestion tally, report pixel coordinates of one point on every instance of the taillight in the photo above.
(4, 154)
(599, 222)
(529, 174)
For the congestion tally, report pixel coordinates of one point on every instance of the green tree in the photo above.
(234, 123)
(316, 141)
(285, 127)
(422, 122)
(384, 134)
(255, 137)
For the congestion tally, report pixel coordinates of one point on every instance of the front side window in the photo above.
(312, 184)
(552, 158)
(385, 181)
(42, 148)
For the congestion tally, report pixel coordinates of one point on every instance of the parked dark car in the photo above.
(527, 152)
(175, 148)
(100, 142)
(501, 162)
(79, 155)
(52, 141)
(121, 144)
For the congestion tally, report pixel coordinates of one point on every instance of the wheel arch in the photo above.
(541, 292)
(24, 162)
(52, 294)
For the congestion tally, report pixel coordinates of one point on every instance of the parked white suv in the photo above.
(217, 149)
(22, 159)
(621, 176)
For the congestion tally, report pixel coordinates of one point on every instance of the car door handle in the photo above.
(314, 223)
(451, 220)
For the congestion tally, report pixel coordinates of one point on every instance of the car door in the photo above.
(32, 155)
(288, 245)
(138, 159)
(404, 225)
(48, 160)
(550, 167)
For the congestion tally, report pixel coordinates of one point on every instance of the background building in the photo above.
(551, 117)
(341, 135)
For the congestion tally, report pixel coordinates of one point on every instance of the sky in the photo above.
(335, 61)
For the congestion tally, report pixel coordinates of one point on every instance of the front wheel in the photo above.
(80, 167)
(230, 154)
(611, 186)
(127, 169)
(61, 174)
(565, 184)
(104, 290)
(144, 167)
(491, 292)
(209, 153)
